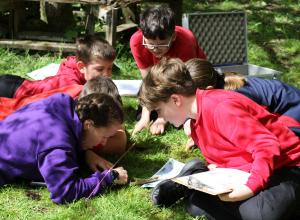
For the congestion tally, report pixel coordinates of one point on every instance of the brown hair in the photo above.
(91, 47)
(101, 84)
(204, 75)
(169, 76)
(100, 108)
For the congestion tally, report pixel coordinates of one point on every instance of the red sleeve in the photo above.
(10, 105)
(246, 132)
(185, 46)
(68, 66)
(7, 106)
(141, 55)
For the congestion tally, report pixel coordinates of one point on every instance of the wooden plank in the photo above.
(94, 2)
(42, 36)
(38, 45)
(111, 22)
(127, 26)
(90, 20)
(121, 27)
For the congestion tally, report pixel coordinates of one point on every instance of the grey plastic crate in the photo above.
(223, 37)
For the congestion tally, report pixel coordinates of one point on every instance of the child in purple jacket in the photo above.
(43, 141)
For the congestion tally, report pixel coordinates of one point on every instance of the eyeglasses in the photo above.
(152, 46)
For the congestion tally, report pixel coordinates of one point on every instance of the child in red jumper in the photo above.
(159, 37)
(278, 97)
(231, 131)
(94, 57)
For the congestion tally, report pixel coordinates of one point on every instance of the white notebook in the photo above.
(128, 87)
(44, 72)
(169, 170)
(215, 181)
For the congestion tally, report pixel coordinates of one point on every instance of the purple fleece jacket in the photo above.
(41, 141)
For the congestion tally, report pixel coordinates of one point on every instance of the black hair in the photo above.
(158, 22)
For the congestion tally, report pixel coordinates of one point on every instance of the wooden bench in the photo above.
(40, 41)
(111, 28)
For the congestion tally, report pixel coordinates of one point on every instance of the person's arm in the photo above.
(141, 55)
(239, 193)
(187, 130)
(249, 136)
(59, 170)
(8, 106)
(143, 122)
(187, 127)
(144, 72)
(158, 126)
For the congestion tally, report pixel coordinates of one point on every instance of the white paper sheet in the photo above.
(128, 87)
(169, 170)
(44, 72)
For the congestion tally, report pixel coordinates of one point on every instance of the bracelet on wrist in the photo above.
(114, 174)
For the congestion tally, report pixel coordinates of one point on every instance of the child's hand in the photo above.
(95, 162)
(158, 127)
(212, 166)
(189, 144)
(123, 176)
(142, 123)
(239, 193)
(187, 127)
(187, 130)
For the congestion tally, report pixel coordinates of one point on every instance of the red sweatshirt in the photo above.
(68, 74)
(10, 105)
(233, 131)
(184, 47)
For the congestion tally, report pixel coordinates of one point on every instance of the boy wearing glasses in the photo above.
(159, 37)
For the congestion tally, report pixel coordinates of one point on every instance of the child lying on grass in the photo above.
(114, 145)
(44, 140)
(94, 57)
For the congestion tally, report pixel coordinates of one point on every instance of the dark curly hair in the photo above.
(100, 108)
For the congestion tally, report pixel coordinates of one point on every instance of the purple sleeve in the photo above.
(59, 170)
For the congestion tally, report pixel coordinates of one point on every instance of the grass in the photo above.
(273, 32)
(273, 41)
